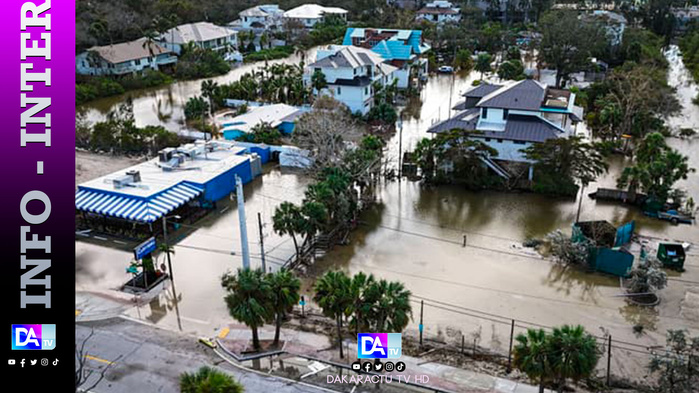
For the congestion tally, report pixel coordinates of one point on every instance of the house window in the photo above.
(487, 139)
(505, 113)
(485, 113)
(520, 142)
(366, 90)
(339, 91)
(138, 62)
(499, 140)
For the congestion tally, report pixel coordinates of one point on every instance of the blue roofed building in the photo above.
(399, 48)
(180, 181)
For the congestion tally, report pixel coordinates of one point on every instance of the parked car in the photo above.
(446, 69)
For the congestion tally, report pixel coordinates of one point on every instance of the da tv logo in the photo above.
(379, 345)
(33, 337)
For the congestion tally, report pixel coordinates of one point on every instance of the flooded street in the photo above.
(416, 235)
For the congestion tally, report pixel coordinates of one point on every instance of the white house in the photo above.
(512, 117)
(439, 11)
(265, 16)
(613, 23)
(124, 58)
(350, 73)
(310, 14)
(204, 35)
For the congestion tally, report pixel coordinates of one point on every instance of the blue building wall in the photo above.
(224, 184)
(287, 127)
(231, 135)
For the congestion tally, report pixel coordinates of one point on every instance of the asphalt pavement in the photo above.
(148, 359)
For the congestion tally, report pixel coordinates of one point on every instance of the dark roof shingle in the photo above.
(524, 95)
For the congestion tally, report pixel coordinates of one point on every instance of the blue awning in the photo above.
(133, 208)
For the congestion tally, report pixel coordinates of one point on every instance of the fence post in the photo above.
(464, 243)
(609, 360)
(509, 353)
(463, 341)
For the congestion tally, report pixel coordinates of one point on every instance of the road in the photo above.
(148, 359)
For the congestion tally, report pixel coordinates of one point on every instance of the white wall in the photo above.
(507, 150)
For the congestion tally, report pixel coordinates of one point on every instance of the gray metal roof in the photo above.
(482, 90)
(465, 120)
(527, 94)
(517, 128)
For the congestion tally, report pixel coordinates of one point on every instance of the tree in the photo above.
(647, 277)
(677, 365)
(287, 220)
(572, 355)
(531, 356)
(463, 60)
(248, 299)
(391, 310)
(315, 218)
(560, 163)
(511, 70)
(196, 108)
(209, 90)
(567, 42)
(361, 303)
(333, 295)
(284, 292)
(483, 63)
(322, 132)
(657, 167)
(209, 380)
(318, 80)
(565, 250)
(82, 374)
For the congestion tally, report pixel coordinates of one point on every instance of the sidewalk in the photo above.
(311, 353)
(315, 347)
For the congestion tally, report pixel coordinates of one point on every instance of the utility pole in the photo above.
(400, 146)
(582, 194)
(167, 251)
(243, 226)
(422, 306)
(262, 242)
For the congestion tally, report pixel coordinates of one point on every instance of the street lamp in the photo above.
(167, 247)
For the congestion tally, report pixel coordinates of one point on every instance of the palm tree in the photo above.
(209, 380)
(284, 291)
(573, 354)
(361, 304)
(315, 218)
(531, 356)
(248, 299)
(287, 220)
(332, 293)
(391, 310)
(483, 63)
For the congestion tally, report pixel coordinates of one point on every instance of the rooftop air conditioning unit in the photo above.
(166, 154)
(122, 181)
(136, 175)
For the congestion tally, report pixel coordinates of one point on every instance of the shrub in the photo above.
(278, 52)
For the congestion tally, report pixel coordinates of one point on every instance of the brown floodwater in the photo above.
(416, 235)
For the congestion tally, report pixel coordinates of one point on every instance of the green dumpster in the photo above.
(671, 255)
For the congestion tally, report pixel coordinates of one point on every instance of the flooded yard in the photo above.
(416, 235)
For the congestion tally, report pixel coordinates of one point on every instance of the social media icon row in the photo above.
(32, 362)
(377, 366)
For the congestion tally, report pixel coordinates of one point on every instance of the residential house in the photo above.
(404, 4)
(613, 23)
(399, 48)
(684, 16)
(204, 35)
(350, 73)
(124, 58)
(309, 14)
(439, 11)
(280, 116)
(512, 117)
(261, 17)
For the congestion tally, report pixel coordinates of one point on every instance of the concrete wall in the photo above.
(507, 150)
